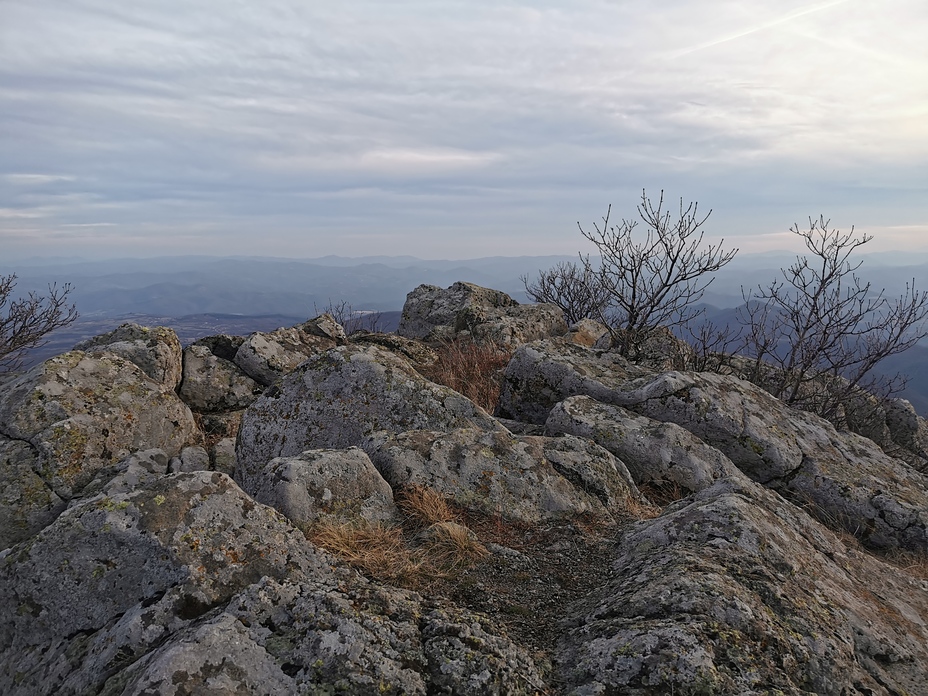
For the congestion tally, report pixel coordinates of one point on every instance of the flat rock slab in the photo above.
(526, 478)
(346, 397)
(736, 591)
(844, 479)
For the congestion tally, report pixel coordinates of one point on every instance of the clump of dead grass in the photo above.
(432, 543)
(424, 506)
(452, 545)
(374, 548)
(662, 493)
(641, 509)
(475, 369)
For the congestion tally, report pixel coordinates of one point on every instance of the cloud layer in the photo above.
(452, 129)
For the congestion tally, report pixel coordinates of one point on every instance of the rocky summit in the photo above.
(305, 512)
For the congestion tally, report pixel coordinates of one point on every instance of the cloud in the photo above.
(440, 124)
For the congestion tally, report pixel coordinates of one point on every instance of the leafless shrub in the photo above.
(25, 322)
(351, 319)
(823, 330)
(572, 287)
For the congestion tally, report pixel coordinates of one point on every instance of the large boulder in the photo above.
(841, 477)
(735, 591)
(265, 357)
(346, 397)
(340, 484)
(429, 308)
(662, 454)
(156, 350)
(435, 314)
(83, 412)
(187, 586)
(544, 373)
(526, 478)
(211, 383)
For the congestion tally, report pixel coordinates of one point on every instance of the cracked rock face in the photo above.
(654, 452)
(212, 384)
(845, 480)
(349, 396)
(83, 412)
(736, 591)
(527, 478)
(544, 373)
(265, 357)
(186, 585)
(156, 350)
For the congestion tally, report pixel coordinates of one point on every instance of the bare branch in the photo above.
(26, 321)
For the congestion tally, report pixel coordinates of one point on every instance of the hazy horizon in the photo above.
(444, 129)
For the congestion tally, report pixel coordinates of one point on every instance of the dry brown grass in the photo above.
(640, 510)
(662, 493)
(911, 562)
(376, 549)
(473, 369)
(432, 545)
(452, 545)
(424, 507)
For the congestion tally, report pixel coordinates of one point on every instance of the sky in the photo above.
(444, 129)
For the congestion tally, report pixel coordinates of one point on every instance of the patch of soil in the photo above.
(534, 579)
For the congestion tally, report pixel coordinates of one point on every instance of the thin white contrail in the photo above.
(766, 25)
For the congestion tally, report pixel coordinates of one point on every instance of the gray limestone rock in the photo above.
(211, 383)
(417, 353)
(434, 314)
(190, 459)
(156, 350)
(222, 456)
(908, 431)
(544, 373)
(735, 591)
(84, 412)
(265, 357)
(526, 478)
(348, 396)
(587, 333)
(325, 483)
(654, 452)
(27, 504)
(187, 586)
(114, 576)
(429, 307)
(844, 479)
(221, 345)
(136, 470)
